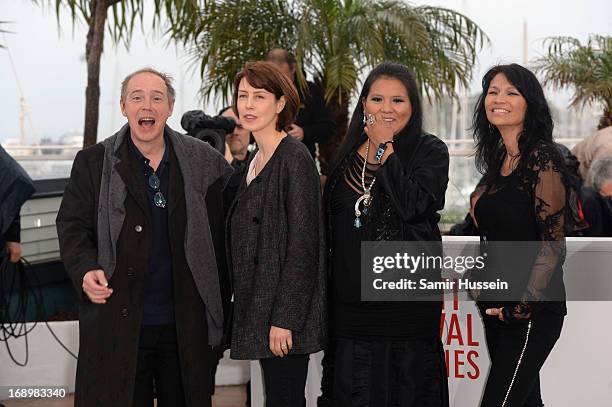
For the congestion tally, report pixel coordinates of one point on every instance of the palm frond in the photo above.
(234, 32)
(126, 14)
(587, 69)
(3, 31)
(334, 41)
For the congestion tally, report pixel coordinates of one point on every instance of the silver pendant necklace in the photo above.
(366, 198)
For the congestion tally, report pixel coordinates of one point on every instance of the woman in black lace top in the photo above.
(388, 184)
(524, 197)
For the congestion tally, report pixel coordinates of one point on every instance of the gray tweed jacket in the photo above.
(276, 251)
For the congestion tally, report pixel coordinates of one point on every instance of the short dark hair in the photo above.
(537, 125)
(265, 75)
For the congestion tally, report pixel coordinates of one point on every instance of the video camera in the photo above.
(209, 129)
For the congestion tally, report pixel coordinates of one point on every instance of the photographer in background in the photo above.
(238, 142)
(15, 188)
(314, 123)
(224, 133)
(209, 129)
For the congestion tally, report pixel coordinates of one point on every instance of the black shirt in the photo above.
(159, 286)
(351, 317)
(314, 117)
(505, 213)
(529, 207)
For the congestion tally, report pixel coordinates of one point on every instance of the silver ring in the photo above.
(370, 119)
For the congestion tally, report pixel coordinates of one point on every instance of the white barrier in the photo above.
(50, 365)
(577, 373)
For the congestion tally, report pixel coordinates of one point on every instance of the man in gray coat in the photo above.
(141, 236)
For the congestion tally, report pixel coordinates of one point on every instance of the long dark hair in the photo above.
(355, 135)
(537, 126)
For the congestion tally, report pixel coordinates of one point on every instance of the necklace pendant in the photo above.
(357, 223)
(366, 198)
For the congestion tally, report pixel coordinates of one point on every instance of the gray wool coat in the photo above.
(104, 222)
(276, 254)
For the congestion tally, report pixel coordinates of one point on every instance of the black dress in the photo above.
(386, 353)
(529, 205)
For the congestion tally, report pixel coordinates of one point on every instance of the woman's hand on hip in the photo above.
(280, 341)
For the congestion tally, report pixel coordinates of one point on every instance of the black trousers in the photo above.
(158, 368)
(326, 399)
(505, 344)
(284, 380)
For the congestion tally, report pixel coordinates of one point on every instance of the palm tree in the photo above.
(125, 15)
(335, 42)
(3, 31)
(585, 68)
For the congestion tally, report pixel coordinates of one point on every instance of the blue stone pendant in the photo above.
(159, 200)
(357, 223)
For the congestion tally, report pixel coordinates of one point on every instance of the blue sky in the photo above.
(52, 72)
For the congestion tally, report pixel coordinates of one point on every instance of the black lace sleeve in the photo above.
(544, 176)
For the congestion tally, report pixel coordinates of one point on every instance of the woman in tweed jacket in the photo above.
(275, 245)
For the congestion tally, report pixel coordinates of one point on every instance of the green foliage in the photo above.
(334, 41)
(223, 31)
(126, 14)
(587, 69)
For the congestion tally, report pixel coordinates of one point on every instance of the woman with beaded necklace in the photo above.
(388, 183)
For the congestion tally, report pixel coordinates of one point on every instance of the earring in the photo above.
(491, 130)
(365, 119)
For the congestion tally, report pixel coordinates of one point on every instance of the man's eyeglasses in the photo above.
(158, 199)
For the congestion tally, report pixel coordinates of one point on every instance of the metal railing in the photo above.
(57, 152)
